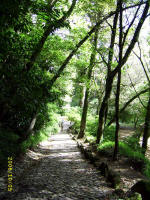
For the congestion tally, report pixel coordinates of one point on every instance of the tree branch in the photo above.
(134, 39)
(126, 33)
(102, 57)
(113, 36)
(141, 61)
(136, 91)
(48, 29)
(127, 104)
(72, 53)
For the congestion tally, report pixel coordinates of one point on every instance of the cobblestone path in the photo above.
(62, 174)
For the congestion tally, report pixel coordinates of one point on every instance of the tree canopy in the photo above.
(84, 59)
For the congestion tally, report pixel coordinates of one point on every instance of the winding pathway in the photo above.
(61, 174)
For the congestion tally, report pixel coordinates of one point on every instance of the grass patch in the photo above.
(126, 150)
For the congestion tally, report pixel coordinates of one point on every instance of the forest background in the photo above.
(88, 60)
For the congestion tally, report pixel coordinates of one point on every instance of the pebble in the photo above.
(61, 174)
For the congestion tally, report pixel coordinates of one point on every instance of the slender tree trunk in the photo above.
(117, 117)
(38, 48)
(81, 100)
(146, 127)
(109, 80)
(135, 122)
(147, 116)
(118, 85)
(84, 115)
(29, 131)
(105, 116)
(98, 106)
(85, 106)
(103, 108)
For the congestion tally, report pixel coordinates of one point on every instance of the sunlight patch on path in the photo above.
(61, 174)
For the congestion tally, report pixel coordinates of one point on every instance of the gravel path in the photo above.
(61, 174)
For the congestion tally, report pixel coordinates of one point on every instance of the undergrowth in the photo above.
(126, 150)
(129, 147)
(74, 116)
(9, 140)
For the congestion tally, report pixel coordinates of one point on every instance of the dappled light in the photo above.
(62, 172)
(74, 100)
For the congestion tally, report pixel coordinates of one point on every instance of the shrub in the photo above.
(109, 133)
(75, 117)
(133, 142)
(8, 139)
(91, 125)
(50, 127)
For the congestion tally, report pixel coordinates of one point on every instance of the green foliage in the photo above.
(91, 126)
(133, 142)
(50, 128)
(91, 129)
(9, 140)
(109, 133)
(135, 196)
(106, 145)
(126, 150)
(75, 117)
(125, 117)
(24, 93)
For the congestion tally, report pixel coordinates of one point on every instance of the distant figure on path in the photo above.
(62, 124)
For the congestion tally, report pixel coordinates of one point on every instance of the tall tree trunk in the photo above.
(84, 115)
(111, 74)
(85, 106)
(82, 96)
(117, 117)
(103, 108)
(118, 85)
(146, 127)
(30, 129)
(109, 79)
(105, 116)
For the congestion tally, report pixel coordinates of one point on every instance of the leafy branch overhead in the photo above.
(85, 59)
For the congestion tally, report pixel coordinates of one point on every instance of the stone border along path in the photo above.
(62, 174)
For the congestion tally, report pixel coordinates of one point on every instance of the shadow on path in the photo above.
(61, 174)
